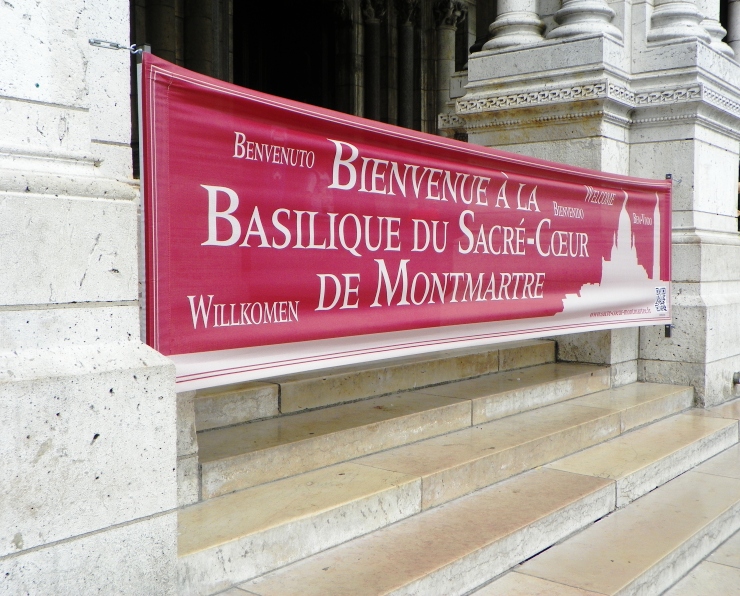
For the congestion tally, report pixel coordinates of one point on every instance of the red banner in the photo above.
(283, 237)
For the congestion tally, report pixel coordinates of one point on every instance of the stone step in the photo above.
(719, 572)
(508, 393)
(311, 390)
(646, 458)
(451, 549)
(243, 402)
(246, 455)
(461, 462)
(240, 535)
(649, 545)
(247, 533)
(234, 404)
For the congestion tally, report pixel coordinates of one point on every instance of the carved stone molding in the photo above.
(450, 13)
(374, 10)
(721, 101)
(408, 11)
(597, 90)
(668, 96)
(451, 121)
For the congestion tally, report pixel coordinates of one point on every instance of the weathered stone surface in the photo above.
(505, 393)
(708, 578)
(644, 459)
(459, 463)
(136, 558)
(467, 542)
(518, 584)
(239, 536)
(92, 442)
(186, 436)
(188, 480)
(650, 544)
(640, 403)
(234, 404)
(308, 390)
(250, 454)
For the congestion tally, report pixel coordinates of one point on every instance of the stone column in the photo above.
(161, 28)
(583, 17)
(733, 26)
(407, 10)
(674, 20)
(448, 14)
(372, 11)
(710, 10)
(200, 46)
(517, 23)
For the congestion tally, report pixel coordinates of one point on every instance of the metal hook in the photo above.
(112, 45)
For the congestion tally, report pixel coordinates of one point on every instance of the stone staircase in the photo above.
(441, 475)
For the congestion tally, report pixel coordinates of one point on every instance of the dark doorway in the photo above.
(299, 64)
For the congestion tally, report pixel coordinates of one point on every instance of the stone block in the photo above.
(100, 264)
(90, 441)
(188, 480)
(712, 381)
(525, 353)
(187, 443)
(37, 328)
(599, 347)
(38, 127)
(135, 558)
(235, 404)
(623, 373)
(49, 32)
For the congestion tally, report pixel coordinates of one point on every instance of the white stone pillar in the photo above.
(710, 10)
(733, 26)
(449, 14)
(517, 23)
(677, 20)
(582, 17)
(89, 492)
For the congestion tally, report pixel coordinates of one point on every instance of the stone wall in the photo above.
(88, 452)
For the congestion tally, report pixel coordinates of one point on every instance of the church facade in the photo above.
(92, 450)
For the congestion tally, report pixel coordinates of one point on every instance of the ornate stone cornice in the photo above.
(478, 113)
(600, 90)
(668, 96)
(596, 90)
